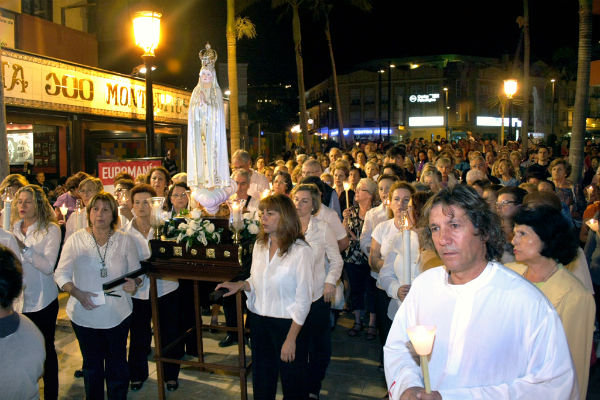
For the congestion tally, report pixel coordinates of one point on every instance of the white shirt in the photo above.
(328, 260)
(384, 234)
(258, 184)
(328, 215)
(392, 274)
(38, 260)
(163, 286)
(80, 264)
(281, 287)
(74, 223)
(373, 217)
(497, 337)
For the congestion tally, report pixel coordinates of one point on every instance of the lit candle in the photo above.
(422, 337)
(236, 210)
(346, 189)
(7, 212)
(265, 193)
(406, 251)
(593, 224)
(63, 211)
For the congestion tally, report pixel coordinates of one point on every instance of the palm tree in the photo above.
(236, 29)
(295, 5)
(581, 94)
(4, 167)
(322, 9)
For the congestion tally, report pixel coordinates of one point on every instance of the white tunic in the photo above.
(80, 264)
(328, 260)
(384, 234)
(373, 217)
(497, 337)
(281, 287)
(38, 261)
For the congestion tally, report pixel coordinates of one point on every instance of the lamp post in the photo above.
(389, 127)
(146, 28)
(553, 81)
(510, 88)
(447, 108)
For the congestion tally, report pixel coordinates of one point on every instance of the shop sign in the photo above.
(7, 32)
(48, 84)
(107, 170)
(424, 98)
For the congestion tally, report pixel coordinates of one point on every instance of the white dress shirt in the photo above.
(281, 287)
(497, 337)
(373, 217)
(384, 234)
(163, 286)
(38, 260)
(328, 260)
(258, 184)
(80, 264)
(328, 215)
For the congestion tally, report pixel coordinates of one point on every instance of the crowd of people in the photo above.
(451, 234)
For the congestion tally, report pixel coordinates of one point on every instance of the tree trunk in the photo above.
(336, 88)
(526, 85)
(234, 121)
(581, 94)
(4, 160)
(300, 70)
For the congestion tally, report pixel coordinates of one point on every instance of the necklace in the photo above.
(546, 277)
(103, 270)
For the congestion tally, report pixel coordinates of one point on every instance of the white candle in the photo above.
(265, 193)
(236, 209)
(63, 211)
(346, 189)
(593, 224)
(6, 216)
(422, 337)
(406, 252)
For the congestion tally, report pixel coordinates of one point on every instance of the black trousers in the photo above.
(103, 352)
(267, 336)
(384, 324)
(140, 338)
(230, 311)
(45, 320)
(187, 310)
(318, 332)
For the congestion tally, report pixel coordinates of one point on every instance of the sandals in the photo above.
(371, 332)
(355, 329)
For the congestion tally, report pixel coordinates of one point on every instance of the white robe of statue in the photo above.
(207, 160)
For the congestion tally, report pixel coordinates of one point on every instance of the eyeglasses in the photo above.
(500, 204)
(179, 196)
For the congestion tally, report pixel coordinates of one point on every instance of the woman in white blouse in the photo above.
(328, 270)
(91, 257)
(381, 244)
(168, 300)
(38, 237)
(279, 294)
(87, 189)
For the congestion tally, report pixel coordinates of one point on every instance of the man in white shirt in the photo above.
(258, 182)
(497, 336)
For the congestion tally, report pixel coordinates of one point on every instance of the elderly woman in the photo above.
(356, 263)
(159, 178)
(327, 272)
(340, 175)
(432, 178)
(88, 188)
(544, 242)
(282, 183)
(92, 256)
(177, 198)
(568, 193)
(279, 294)
(38, 236)
(445, 166)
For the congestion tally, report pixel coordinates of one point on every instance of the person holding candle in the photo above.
(8, 190)
(90, 257)
(257, 182)
(159, 178)
(250, 203)
(497, 336)
(544, 242)
(88, 188)
(279, 294)
(70, 197)
(38, 236)
(327, 272)
(342, 187)
(122, 188)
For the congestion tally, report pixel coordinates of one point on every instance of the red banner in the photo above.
(107, 170)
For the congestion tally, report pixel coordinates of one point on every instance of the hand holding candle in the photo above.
(422, 337)
(63, 211)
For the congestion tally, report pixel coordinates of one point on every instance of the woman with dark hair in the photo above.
(69, 198)
(570, 195)
(279, 294)
(159, 178)
(87, 189)
(282, 183)
(544, 242)
(34, 227)
(177, 198)
(91, 257)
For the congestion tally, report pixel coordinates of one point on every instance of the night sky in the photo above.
(391, 29)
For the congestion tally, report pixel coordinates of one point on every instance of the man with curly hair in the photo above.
(497, 336)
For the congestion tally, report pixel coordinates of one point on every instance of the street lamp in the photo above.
(510, 88)
(447, 108)
(389, 128)
(146, 29)
(553, 81)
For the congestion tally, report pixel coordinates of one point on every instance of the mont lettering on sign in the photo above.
(44, 83)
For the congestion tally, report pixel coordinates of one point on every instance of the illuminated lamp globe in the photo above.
(510, 87)
(146, 29)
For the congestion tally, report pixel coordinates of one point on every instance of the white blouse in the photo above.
(373, 217)
(38, 259)
(384, 234)
(163, 286)
(281, 287)
(328, 261)
(80, 264)
(333, 220)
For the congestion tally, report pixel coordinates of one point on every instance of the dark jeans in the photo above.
(141, 336)
(103, 352)
(318, 332)
(45, 320)
(384, 324)
(361, 287)
(268, 335)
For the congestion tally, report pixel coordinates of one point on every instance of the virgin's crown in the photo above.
(208, 56)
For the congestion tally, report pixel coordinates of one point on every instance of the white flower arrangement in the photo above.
(194, 231)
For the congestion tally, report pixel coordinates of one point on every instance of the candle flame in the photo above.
(265, 193)
(63, 210)
(405, 224)
(422, 337)
(346, 186)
